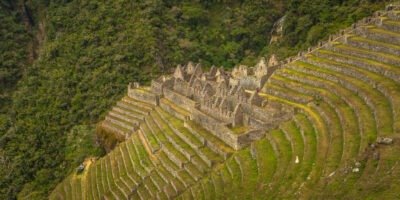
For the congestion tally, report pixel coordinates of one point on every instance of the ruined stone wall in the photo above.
(143, 95)
(179, 99)
(183, 88)
(216, 128)
(156, 87)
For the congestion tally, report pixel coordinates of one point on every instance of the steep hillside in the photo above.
(193, 134)
(89, 50)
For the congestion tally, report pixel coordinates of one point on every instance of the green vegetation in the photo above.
(308, 21)
(91, 49)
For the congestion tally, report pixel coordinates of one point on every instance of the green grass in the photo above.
(292, 133)
(250, 172)
(150, 136)
(175, 107)
(381, 104)
(373, 42)
(367, 54)
(285, 155)
(308, 169)
(294, 95)
(337, 97)
(387, 86)
(127, 163)
(119, 174)
(172, 135)
(158, 181)
(227, 180)
(267, 163)
(239, 129)
(133, 158)
(142, 153)
(210, 137)
(386, 67)
(99, 178)
(178, 124)
(139, 105)
(335, 152)
(114, 188)
(209, 188)
(383, 31)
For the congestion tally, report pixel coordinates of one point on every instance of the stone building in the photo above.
(221, 102)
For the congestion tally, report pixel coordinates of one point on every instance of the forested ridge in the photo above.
(90, 50)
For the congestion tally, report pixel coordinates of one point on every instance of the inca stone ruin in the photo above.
(325, 117)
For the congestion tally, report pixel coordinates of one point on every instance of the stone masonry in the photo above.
(225, 103)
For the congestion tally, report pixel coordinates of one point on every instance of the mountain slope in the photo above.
(342, 142)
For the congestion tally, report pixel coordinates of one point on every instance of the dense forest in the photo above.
(63, 63)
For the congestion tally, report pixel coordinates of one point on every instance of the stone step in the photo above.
(150, 186)
(117, 121)
(389, 88)
(135, 160)
(170, 149)
(173, 109)
(150, 137)
(208, 187)
(292, 95)
(383, 35)
(211, 141)
(141, 153)
(334, 154)
(124, 118)
(118, 179)
(200, 164)
(235, 171)
(373, 98)
(250, 173)
(389, 71)
(168, 189)
(266, 160)
(115, 128)
(146, 107)
(143, 193)
(113, 180)
(174, 125)
(128, 168)
(177, 127)
(185, 178)
(193, 171)
(99, 180)
(134, 116)
(95, 193)
(126, 179)
(293, 134)
(120, 170)
(158, 182)
(309, 167)
(391, 25)
(373, 45)
(109, 187)
(168, 164)
(178, 172)
(365, 113)
(174, 155)
(363, 53)
(135, 111)
(175, 140)
(393, 15)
